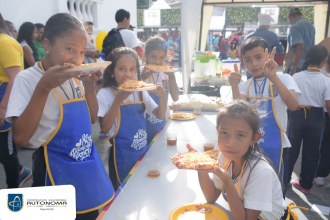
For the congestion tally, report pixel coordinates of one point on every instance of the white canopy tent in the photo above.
(196, 17)
(159, 4)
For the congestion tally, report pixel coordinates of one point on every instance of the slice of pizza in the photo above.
(89, 67)
(160, 68)
(182, 115)
(134, 84)
(194, 160)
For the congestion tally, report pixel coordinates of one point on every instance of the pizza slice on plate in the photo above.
(160, 68)
(89, 67)
(194, 160)
(182, 116)
(136, 85)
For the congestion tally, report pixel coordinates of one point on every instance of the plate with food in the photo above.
(161, 68)
(199, 211)
(136, 85)
(182, 116)
(194, 160)
(90, 67)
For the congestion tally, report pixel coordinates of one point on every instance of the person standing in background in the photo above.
(26, 34)
(92, 54)
(300, 39)
(11, 62)
(38, 41)
(12, 31)
(263, 31)
(129, 37)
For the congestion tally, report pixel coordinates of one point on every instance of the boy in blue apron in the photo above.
(155, 53)
(55, 114)
(11, 62)
(271, 94)
(122, 113)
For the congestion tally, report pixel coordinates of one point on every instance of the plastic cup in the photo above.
(172, 136)
(208, 146)
(153, 168)
(197, 109)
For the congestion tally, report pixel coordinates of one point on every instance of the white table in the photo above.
(145, 198)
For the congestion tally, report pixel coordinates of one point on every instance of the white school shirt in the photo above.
(105, 98)
(314, 86)
(260, 189)
(20, 96)
(129, 37)
(280, 107)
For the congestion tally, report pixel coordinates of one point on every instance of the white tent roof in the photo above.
(159, 4)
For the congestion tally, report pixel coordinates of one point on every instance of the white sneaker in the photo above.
(319, 181)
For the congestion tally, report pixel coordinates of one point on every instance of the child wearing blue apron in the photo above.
(122, 113)
(55, 113)
(155, 53)
(271, 94)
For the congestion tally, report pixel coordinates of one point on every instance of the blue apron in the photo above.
(154, 125)
(130, 139)
(71, 157)
(272, 139)
(6, 126)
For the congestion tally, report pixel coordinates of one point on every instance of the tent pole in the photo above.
(326, 33)
(201, 27)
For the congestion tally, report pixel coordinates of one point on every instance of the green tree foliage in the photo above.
(140, 17)
(234, 15)
(142, 4)
(240, 15)
(308, 14)
(170, 17)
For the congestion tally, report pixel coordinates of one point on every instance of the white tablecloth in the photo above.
(145, 198)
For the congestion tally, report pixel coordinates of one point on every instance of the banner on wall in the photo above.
(151, 18)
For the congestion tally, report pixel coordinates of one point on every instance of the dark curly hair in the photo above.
(108, 75)
(315, 56)
(25, 32)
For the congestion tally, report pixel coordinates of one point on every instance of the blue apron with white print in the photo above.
(71, 157)
(154, 125)
(272, 139)
(6, 126)
(130, 139)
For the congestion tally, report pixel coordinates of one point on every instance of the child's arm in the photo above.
(173, 86)
(211, 193)
(234, 80)
(26, 124)
(90, 94)
(238, 211)
(11, 72)
(327, 106)
(145, 74)
(109, 118)
(28, 56)
(160, 112)
(288, 97)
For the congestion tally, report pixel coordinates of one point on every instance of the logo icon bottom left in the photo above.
(15, 202)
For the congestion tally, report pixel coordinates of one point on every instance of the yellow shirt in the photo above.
(11, 55)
